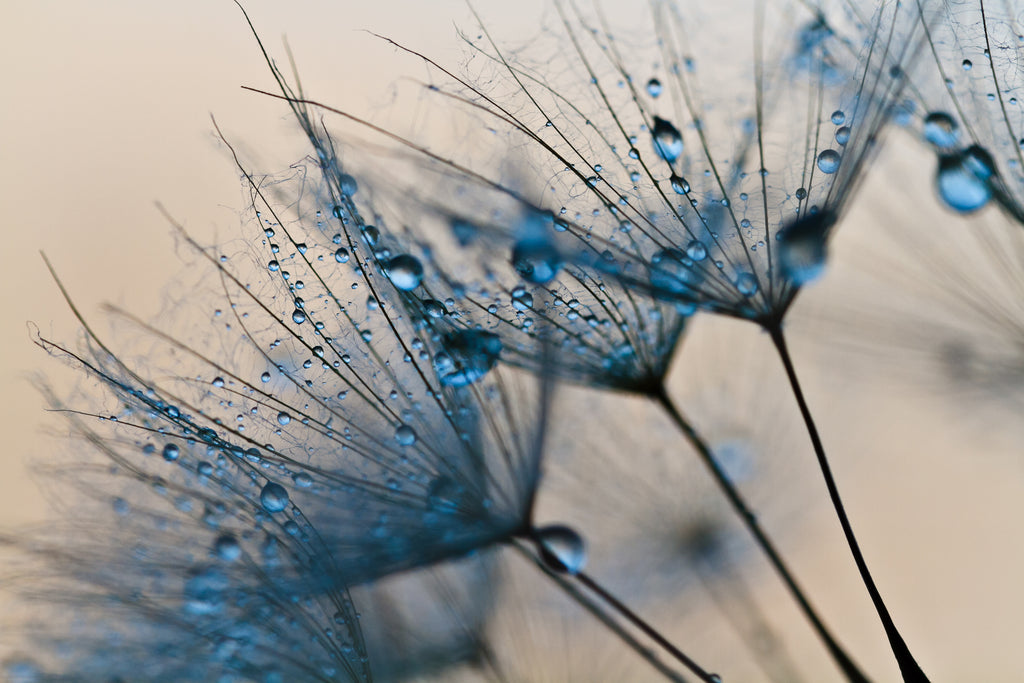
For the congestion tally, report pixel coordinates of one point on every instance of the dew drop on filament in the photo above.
(668, 142)
(828, 161)
(405, 272)
(561, 548)
(274, 497)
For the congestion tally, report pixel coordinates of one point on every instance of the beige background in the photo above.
(106, 109)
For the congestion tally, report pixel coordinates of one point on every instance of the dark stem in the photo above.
(589, 605)
(842, 660)
(908, 665)
(649, 630)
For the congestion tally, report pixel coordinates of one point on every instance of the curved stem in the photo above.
(735, 498)
(908, 665)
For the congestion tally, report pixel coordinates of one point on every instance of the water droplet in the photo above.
(434, 308)
(696, 250)
(801, 193)
(522, 300)
(536, 260)
(445, 495)
(341, 255)
(227, 548)
(561, 548)
(670, 272)
(967, 65)
(802, 247)
(298, 317)
(668, 142)
(843, 135)
(218, 382)
(371, 235)
(654, 87)
(963, 179)
(838, 117)
(468, 355)
(941, 130)
(274, 497)
(302, 480)
(746, 283)
(204, 590)
(348, 184)
(679, 184)
(283, 418)
(828, 161)
(405, 435)
(405, 272)
(171, 452)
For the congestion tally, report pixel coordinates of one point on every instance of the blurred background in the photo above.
(108, 111)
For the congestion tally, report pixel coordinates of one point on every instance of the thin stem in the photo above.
(652, 633)
(589, 605)
(908, 665)
(735, 498)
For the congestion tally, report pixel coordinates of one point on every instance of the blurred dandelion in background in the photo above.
(302, 469)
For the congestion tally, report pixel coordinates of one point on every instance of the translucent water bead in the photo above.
(561, 548)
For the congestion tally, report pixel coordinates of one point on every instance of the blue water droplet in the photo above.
(696, 250)
(467, 356)
(679, 184)
(941, 130)
(405, 272)
(283, 418)
(274, 497)
(536, 260)
(405, 435)
(964, 179)
(828, 161)
(341, 255)
(654, 87)
(561, 548)
(171, 452)
(668, 142)
(298, 317)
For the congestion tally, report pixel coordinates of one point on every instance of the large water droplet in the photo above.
(561, 548)
(521, 299)
(274, 497)
(405, 272)
(536, 260)
(964, 179)
(467, 356)
(298, 316)
(668, 142)
(828, 161)
(341, 255)
(941, 130)
(348, 184)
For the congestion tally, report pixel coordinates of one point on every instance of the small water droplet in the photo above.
(654, 87)
(274, 497)
(218, 382)
(283, 418)
(843, 135)
(348, 184)
(341, 255)
(536, 260)
(746, 283)
(967, 65)
(227, 548)
(964, 179)
(561, 548)
(171, 452)
(696, 250)
(941, 130)
(405, 435)
(679, 184)
(838, 117)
